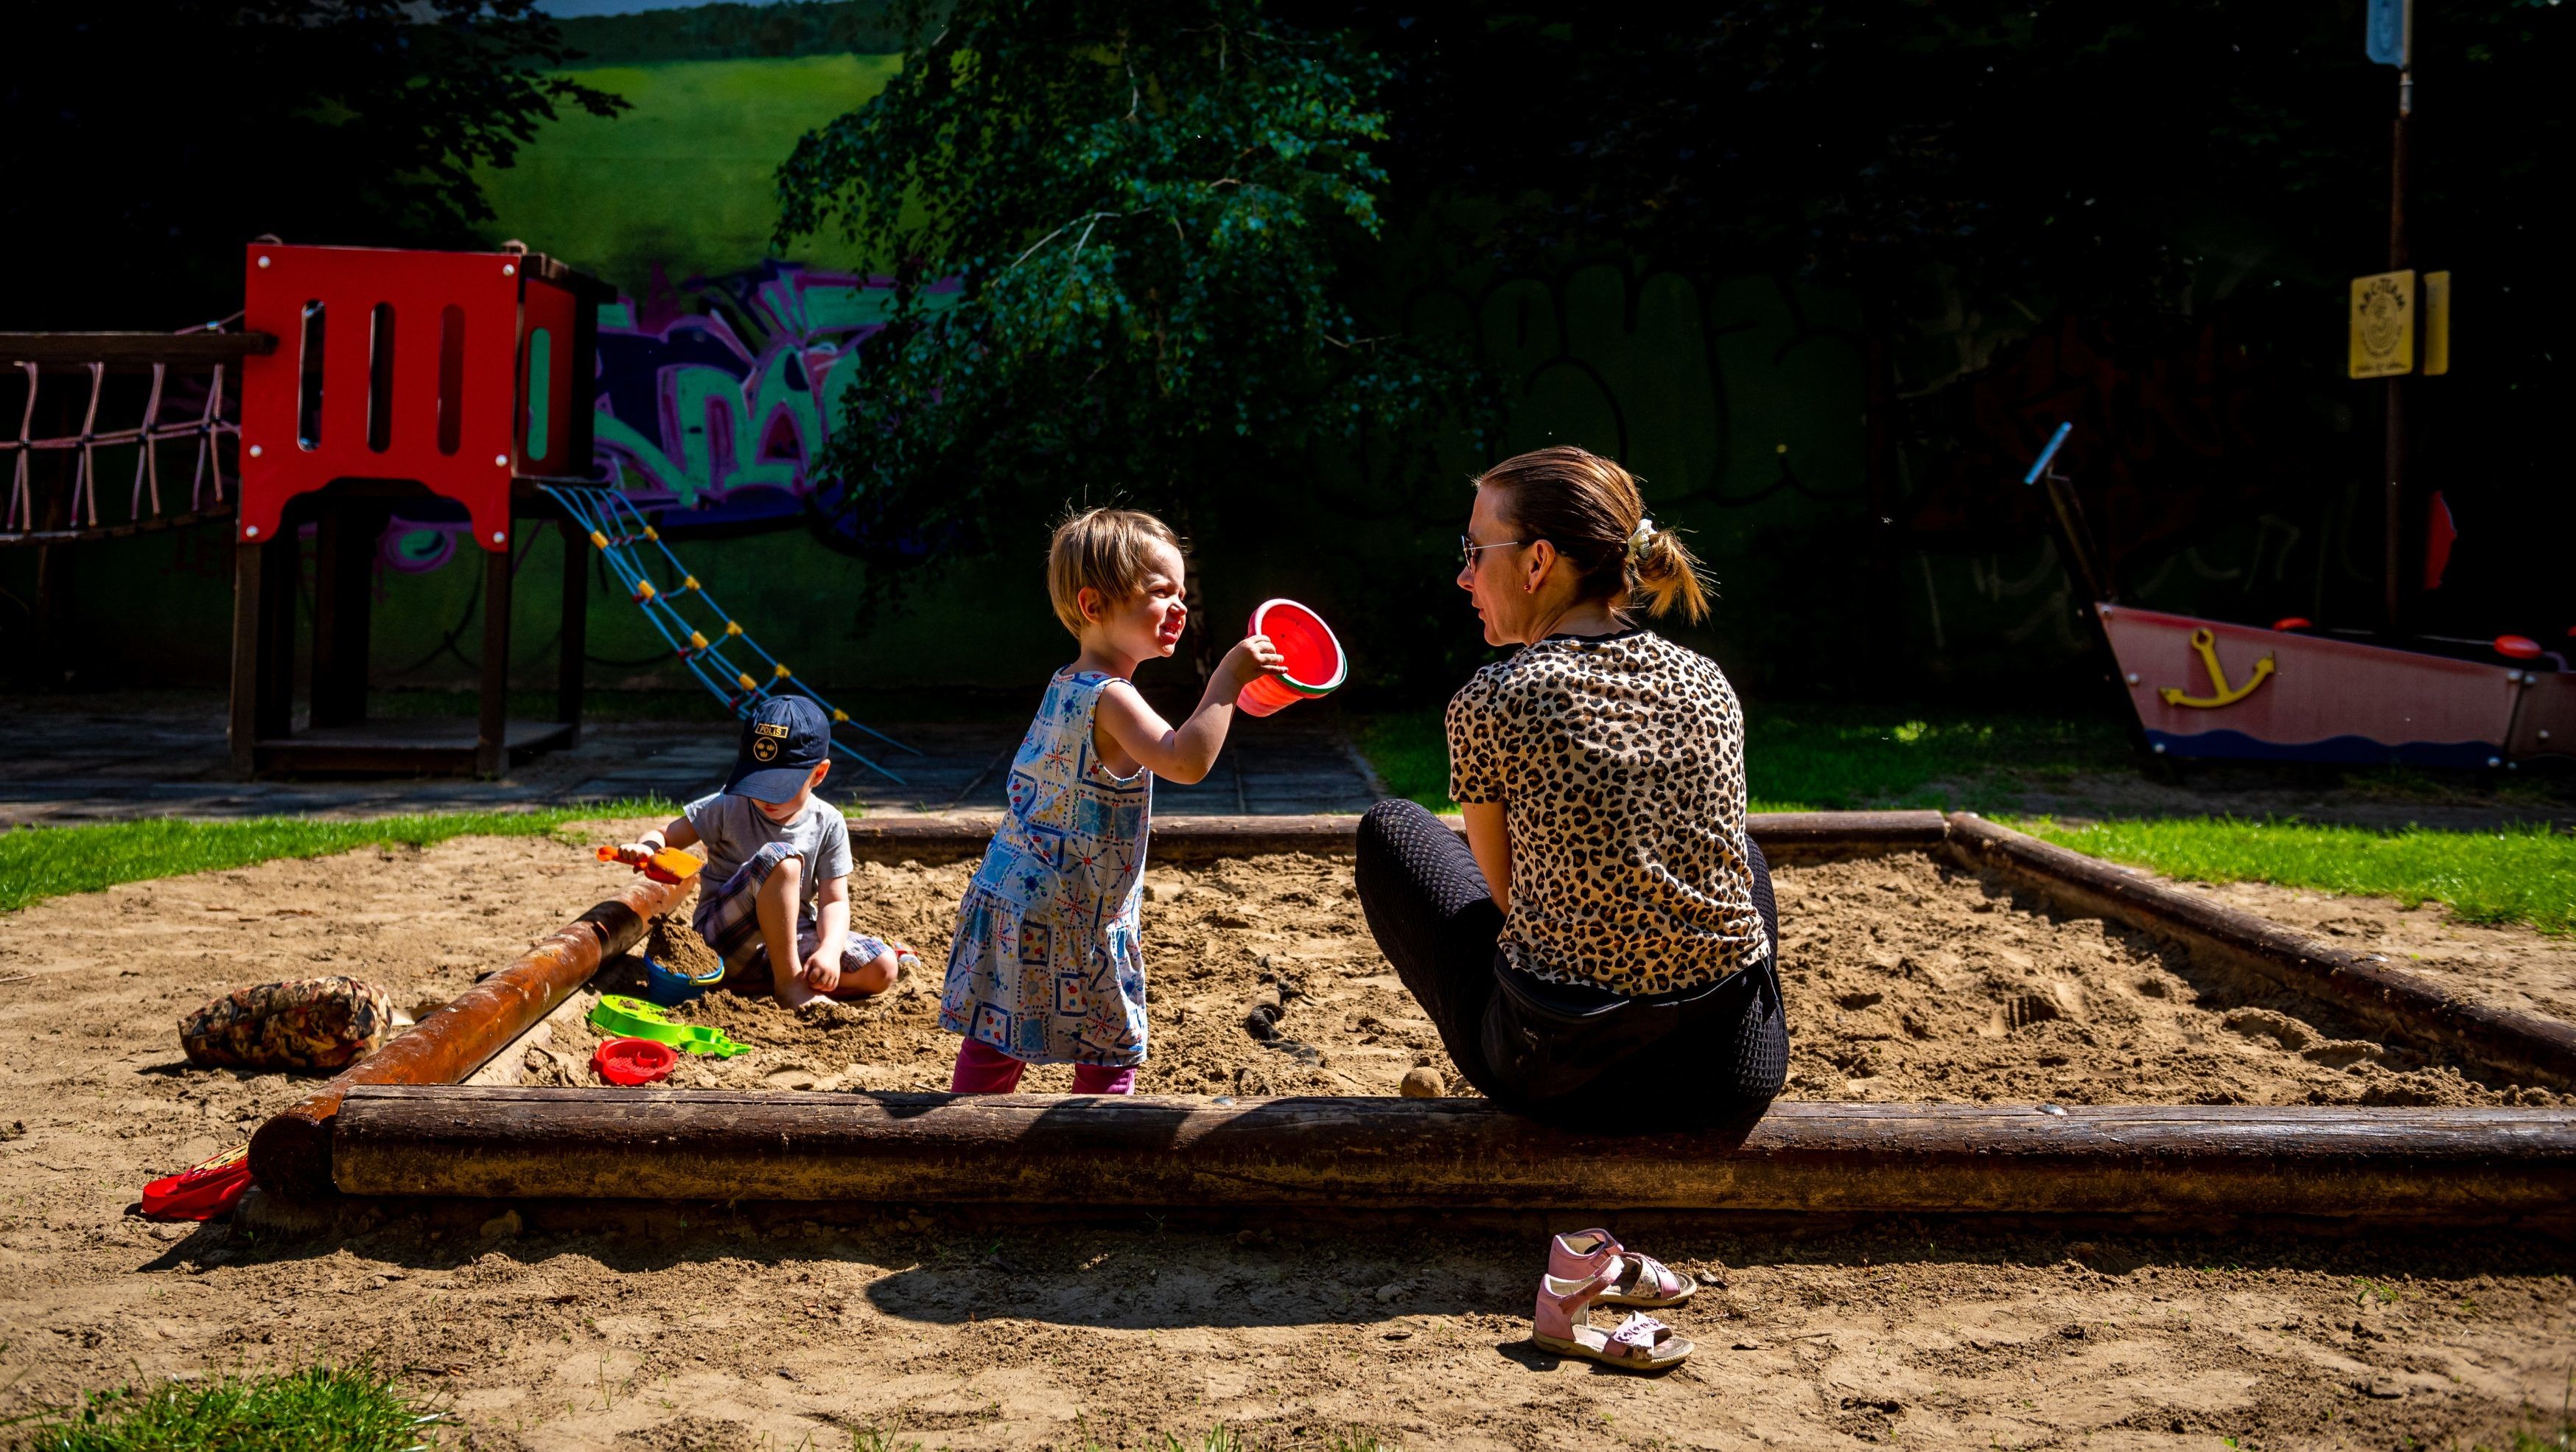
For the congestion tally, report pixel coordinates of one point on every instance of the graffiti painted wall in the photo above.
(720, 411)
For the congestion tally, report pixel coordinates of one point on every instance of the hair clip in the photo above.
(1638, 537)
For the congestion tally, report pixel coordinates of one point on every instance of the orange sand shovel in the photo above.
(680, 865)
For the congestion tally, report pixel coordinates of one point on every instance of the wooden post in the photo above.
(2396, 590)
(243, 727)
(343, 586)
(2384, 1165)
(263, 685)
(281, 564)
(54, 656)
(574, 648)
(492, 719)
(291, 1153)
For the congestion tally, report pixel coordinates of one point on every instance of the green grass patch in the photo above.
(1845, 758)
(1819, 758)
(42, 862)
(1410, 753)
(318, 1409)
(687, 180)
(2519, 874)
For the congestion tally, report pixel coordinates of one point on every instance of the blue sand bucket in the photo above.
(669, 987)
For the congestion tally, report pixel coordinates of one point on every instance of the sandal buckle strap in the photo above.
(1638, 1332)
(1652, 1275)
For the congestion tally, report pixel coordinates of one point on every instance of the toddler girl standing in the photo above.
(1046, 967)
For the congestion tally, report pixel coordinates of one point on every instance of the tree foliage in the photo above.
(728, 29)
(148, 144)
(1120, 234)
(2072, 150)
(1978, 169)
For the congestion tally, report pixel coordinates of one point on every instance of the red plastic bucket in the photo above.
(1316, 664)
(633, 1061)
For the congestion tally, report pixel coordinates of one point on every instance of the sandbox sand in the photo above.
(1905, 980)
(759, 1326)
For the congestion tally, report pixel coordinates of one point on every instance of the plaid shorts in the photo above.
(728, 917)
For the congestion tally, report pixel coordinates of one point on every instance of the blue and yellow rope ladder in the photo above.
(619, 532)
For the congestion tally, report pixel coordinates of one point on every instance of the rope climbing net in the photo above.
(193, 405)
(713, 647)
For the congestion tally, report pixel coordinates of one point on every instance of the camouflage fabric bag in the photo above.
(311, 1023)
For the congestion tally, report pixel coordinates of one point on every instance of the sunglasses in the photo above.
(1467, 548)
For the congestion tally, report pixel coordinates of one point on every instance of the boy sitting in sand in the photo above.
(775, 896)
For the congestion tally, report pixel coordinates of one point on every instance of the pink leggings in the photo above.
(983, 1069)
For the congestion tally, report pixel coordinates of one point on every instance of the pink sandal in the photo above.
(1563, 1324)
(1636, 1280)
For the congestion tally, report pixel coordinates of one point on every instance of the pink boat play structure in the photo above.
(2290, 692)
(2205, 688)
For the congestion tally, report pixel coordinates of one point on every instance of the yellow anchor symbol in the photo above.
(2204, 642)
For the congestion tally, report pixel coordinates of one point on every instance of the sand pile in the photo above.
(1280, 938)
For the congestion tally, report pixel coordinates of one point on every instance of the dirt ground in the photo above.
(552, 1326)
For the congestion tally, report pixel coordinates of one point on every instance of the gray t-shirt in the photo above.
(735, 829)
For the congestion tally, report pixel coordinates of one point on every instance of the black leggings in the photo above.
(1577, 1055)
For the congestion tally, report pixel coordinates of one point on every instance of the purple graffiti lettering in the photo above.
(716, 397)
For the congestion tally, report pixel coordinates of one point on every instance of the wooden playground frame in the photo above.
(489, 416)
(482, 410)
(339, 736)
(401, 1124)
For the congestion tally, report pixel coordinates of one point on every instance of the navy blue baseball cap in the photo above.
(783, 740)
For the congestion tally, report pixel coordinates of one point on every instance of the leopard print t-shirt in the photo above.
(1619, 761)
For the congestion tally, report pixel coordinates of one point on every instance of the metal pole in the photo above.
(2398, 260)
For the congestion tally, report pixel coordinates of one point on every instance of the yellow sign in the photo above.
(2437, 323)
(2383, 324)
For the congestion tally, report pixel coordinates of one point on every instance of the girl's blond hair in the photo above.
(1589, 508)
(1108, 550)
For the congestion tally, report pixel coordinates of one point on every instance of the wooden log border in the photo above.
(2523, 1048)
(2090, 1160)
(292, 1152)
(2388, 1166)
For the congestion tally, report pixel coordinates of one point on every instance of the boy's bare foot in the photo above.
(871, 979)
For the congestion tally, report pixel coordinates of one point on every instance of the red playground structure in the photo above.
(395, 375)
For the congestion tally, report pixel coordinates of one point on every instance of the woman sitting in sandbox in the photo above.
(1602, 950)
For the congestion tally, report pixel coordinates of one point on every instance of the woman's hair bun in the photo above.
(1590, 509)
(1664, 570)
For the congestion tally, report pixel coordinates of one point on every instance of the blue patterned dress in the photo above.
(1047, 965)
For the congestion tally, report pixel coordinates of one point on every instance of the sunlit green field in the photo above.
(687, 178)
